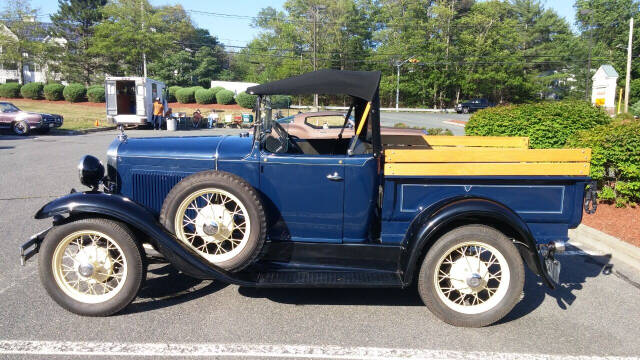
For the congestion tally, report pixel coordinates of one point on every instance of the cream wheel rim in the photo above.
(472, 277)
(213, 222)
(89, 266)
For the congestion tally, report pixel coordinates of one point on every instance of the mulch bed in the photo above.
(623, 223)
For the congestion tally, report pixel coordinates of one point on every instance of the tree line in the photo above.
(509, 51)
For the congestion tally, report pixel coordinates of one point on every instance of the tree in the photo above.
(21, 36)
(75, 23)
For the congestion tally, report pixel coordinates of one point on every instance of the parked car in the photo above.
(472, 105)
(23, 122)
(328, 124)
(261, 210)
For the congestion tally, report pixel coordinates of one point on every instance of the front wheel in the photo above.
(472, 276)
(21, 128)
(91, 267)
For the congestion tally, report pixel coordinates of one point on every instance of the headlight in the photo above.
(90, 171)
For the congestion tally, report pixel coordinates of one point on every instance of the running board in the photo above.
(329, 279)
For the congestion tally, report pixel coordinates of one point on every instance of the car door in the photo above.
(305, 195)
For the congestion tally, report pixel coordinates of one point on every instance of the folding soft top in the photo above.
(359, 84)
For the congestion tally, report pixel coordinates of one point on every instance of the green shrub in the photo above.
(205, 96)
(172, 93)
(96, 86)
(439, 131)
(635, 109)
(245, 100)
(216, 89)
(96, 94)
(74, 93)
(224, 97)
(32, 90)
(547, 124)
(53, 92)
(615, 159)
(186, 95)
(280, 101)
(10, 90)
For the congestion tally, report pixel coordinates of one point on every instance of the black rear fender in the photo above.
(98, 204)
(437, 220)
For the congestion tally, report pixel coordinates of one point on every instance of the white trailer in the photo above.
(129, 99)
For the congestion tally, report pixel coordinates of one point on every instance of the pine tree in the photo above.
(75, 22)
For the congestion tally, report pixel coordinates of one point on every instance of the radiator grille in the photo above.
(151, 187)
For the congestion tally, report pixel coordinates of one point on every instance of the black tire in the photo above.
(132, 252)
(465, 110)
(21, 128)
(427, 285)
(238, 188)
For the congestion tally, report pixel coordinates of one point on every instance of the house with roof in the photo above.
(32, 71)
(603, 90)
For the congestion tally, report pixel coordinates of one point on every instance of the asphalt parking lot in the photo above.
(596, 311)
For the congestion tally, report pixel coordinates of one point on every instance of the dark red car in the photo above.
(23, 122)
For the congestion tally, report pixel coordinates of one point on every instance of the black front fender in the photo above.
(431, 222)
(118, 207)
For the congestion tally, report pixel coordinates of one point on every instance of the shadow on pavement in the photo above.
(576, 269)
(165, 287)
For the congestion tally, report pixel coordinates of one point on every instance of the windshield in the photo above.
(7, 107)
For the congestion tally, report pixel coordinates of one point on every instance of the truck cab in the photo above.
(460, 217)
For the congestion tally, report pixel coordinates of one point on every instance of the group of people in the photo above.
(160, 113)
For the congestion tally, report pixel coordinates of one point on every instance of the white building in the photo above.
(603, 90)
(235, 86)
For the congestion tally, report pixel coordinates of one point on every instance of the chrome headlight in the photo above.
(90, 171)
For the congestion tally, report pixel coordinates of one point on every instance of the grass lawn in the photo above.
(79, 116)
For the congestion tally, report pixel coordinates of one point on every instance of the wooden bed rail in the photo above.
(487, 161)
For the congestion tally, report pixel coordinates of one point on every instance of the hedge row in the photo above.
(615, 160)
(219, 95)
(547, 124)
(53, 92)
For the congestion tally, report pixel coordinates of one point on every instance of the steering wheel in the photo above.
(284, 140)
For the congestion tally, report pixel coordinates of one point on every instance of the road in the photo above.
(594, 312)
(452, 121)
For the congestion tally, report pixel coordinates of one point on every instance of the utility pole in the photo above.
(628, 79)
(144, 54)
(589, 12)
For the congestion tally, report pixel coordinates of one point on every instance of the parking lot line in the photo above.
(52, 348)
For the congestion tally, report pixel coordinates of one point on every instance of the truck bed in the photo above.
(481, 156)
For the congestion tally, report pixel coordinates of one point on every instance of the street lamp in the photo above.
(589, 25)
(398, 65)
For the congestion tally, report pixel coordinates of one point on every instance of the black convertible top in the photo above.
(359, 84)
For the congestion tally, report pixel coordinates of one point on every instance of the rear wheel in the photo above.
(472, 276)
(91, 267)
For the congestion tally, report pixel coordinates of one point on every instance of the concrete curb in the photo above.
(618, 249)
(81, 132)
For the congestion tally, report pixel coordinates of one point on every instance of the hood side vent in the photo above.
(150, 187)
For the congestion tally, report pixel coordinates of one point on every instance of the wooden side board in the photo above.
(477, 141)
(482, 169)
(486, 155)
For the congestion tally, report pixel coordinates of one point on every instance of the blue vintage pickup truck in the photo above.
(459, 216)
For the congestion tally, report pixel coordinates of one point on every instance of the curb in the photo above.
(618, 249)
(81, 132)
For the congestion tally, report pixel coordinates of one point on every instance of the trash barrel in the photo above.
(171, 124)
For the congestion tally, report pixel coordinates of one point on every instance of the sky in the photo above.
(234, 31)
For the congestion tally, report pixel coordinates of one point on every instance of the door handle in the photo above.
(334, 177)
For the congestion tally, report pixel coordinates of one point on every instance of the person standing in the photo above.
(158, 112)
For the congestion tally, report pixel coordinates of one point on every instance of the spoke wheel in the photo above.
(472, 277)
(213, 222)
(89, 266)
